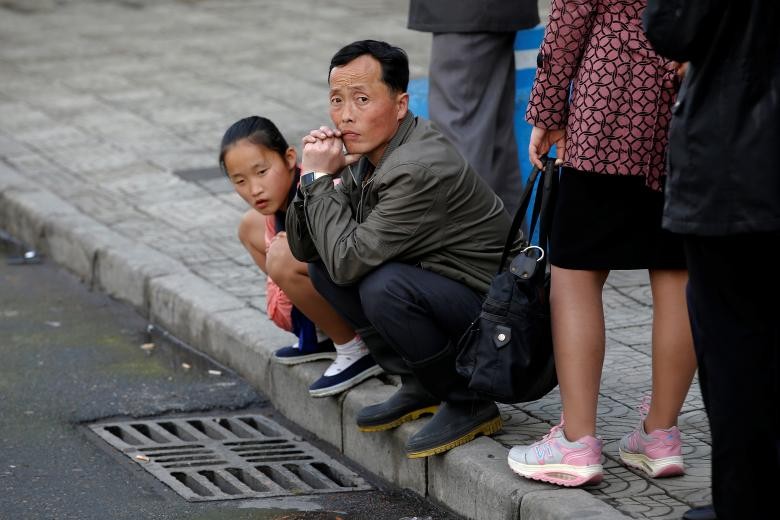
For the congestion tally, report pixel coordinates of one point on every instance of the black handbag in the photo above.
(506, 353)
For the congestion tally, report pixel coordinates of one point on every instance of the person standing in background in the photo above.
(472, 81)
(723, 197)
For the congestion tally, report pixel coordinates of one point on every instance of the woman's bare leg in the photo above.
(578, 338)
(674, 359)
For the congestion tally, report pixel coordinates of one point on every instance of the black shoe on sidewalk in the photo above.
(293, 354)
(454, 424)
(409, 403)
(700, 513)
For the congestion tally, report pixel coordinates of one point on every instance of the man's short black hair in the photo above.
(394, 62)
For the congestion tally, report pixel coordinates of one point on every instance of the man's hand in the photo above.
(541, 142)
(323, 152)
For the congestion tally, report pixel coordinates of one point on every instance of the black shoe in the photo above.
(407, 404)
(293, 355)
(454, 424)
(700, 513)
(354, 372)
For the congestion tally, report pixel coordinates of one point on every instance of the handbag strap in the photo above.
(550, 191)
(537, 208)
(525, 201)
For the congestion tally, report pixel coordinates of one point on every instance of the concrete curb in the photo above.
(473, 480)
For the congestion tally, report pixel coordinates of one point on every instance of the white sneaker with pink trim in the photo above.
(658, 453)
(557, 460)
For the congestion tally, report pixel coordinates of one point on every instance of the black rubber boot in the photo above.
(384, 355)
(454, 424)
(437, 374)
(409, 403)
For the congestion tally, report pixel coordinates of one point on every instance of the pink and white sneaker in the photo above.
(557, 460)
(658, 453)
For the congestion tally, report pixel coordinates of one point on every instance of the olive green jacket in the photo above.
(422, 205)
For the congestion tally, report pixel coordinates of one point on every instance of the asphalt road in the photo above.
(68, 357)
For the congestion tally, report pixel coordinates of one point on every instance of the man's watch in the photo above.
(309, 177)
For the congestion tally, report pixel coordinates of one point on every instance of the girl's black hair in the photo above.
(258, 130)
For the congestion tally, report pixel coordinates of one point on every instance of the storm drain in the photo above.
(228, 457)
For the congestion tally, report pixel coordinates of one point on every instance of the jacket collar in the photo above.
(400, 136)
(364, 167)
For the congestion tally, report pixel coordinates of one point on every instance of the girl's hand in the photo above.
(541, 142)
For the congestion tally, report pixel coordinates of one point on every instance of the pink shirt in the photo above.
(278, 305)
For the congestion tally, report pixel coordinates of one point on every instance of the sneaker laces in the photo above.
(554, 430)
(549, 435)
(644, 407)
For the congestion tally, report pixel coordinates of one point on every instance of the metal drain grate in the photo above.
(228, 457)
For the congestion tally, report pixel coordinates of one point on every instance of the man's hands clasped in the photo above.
(323, 151)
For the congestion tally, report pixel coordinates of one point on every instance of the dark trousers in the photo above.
(733, 304)
(472, 100)
(418, 315)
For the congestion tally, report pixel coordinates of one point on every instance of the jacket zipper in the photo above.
(360, 202)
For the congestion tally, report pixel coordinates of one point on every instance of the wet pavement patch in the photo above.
(224, 457)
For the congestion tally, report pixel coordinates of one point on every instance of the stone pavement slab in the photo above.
(104, 105)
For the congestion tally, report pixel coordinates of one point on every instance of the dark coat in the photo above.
(472, 15)
(724, 155)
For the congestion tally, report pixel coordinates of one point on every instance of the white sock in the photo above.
(346, 354)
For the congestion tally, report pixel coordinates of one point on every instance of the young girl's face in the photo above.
(261, 176)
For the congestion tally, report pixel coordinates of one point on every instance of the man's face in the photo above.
(364, 108)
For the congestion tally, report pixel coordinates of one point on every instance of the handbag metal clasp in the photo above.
(524, 264)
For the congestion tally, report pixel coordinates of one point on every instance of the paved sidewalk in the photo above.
(107, 108)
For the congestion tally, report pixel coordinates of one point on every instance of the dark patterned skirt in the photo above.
(611, 222)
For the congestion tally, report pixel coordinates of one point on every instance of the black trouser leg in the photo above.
(346, 301)
(422, 315)
(732, 297)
